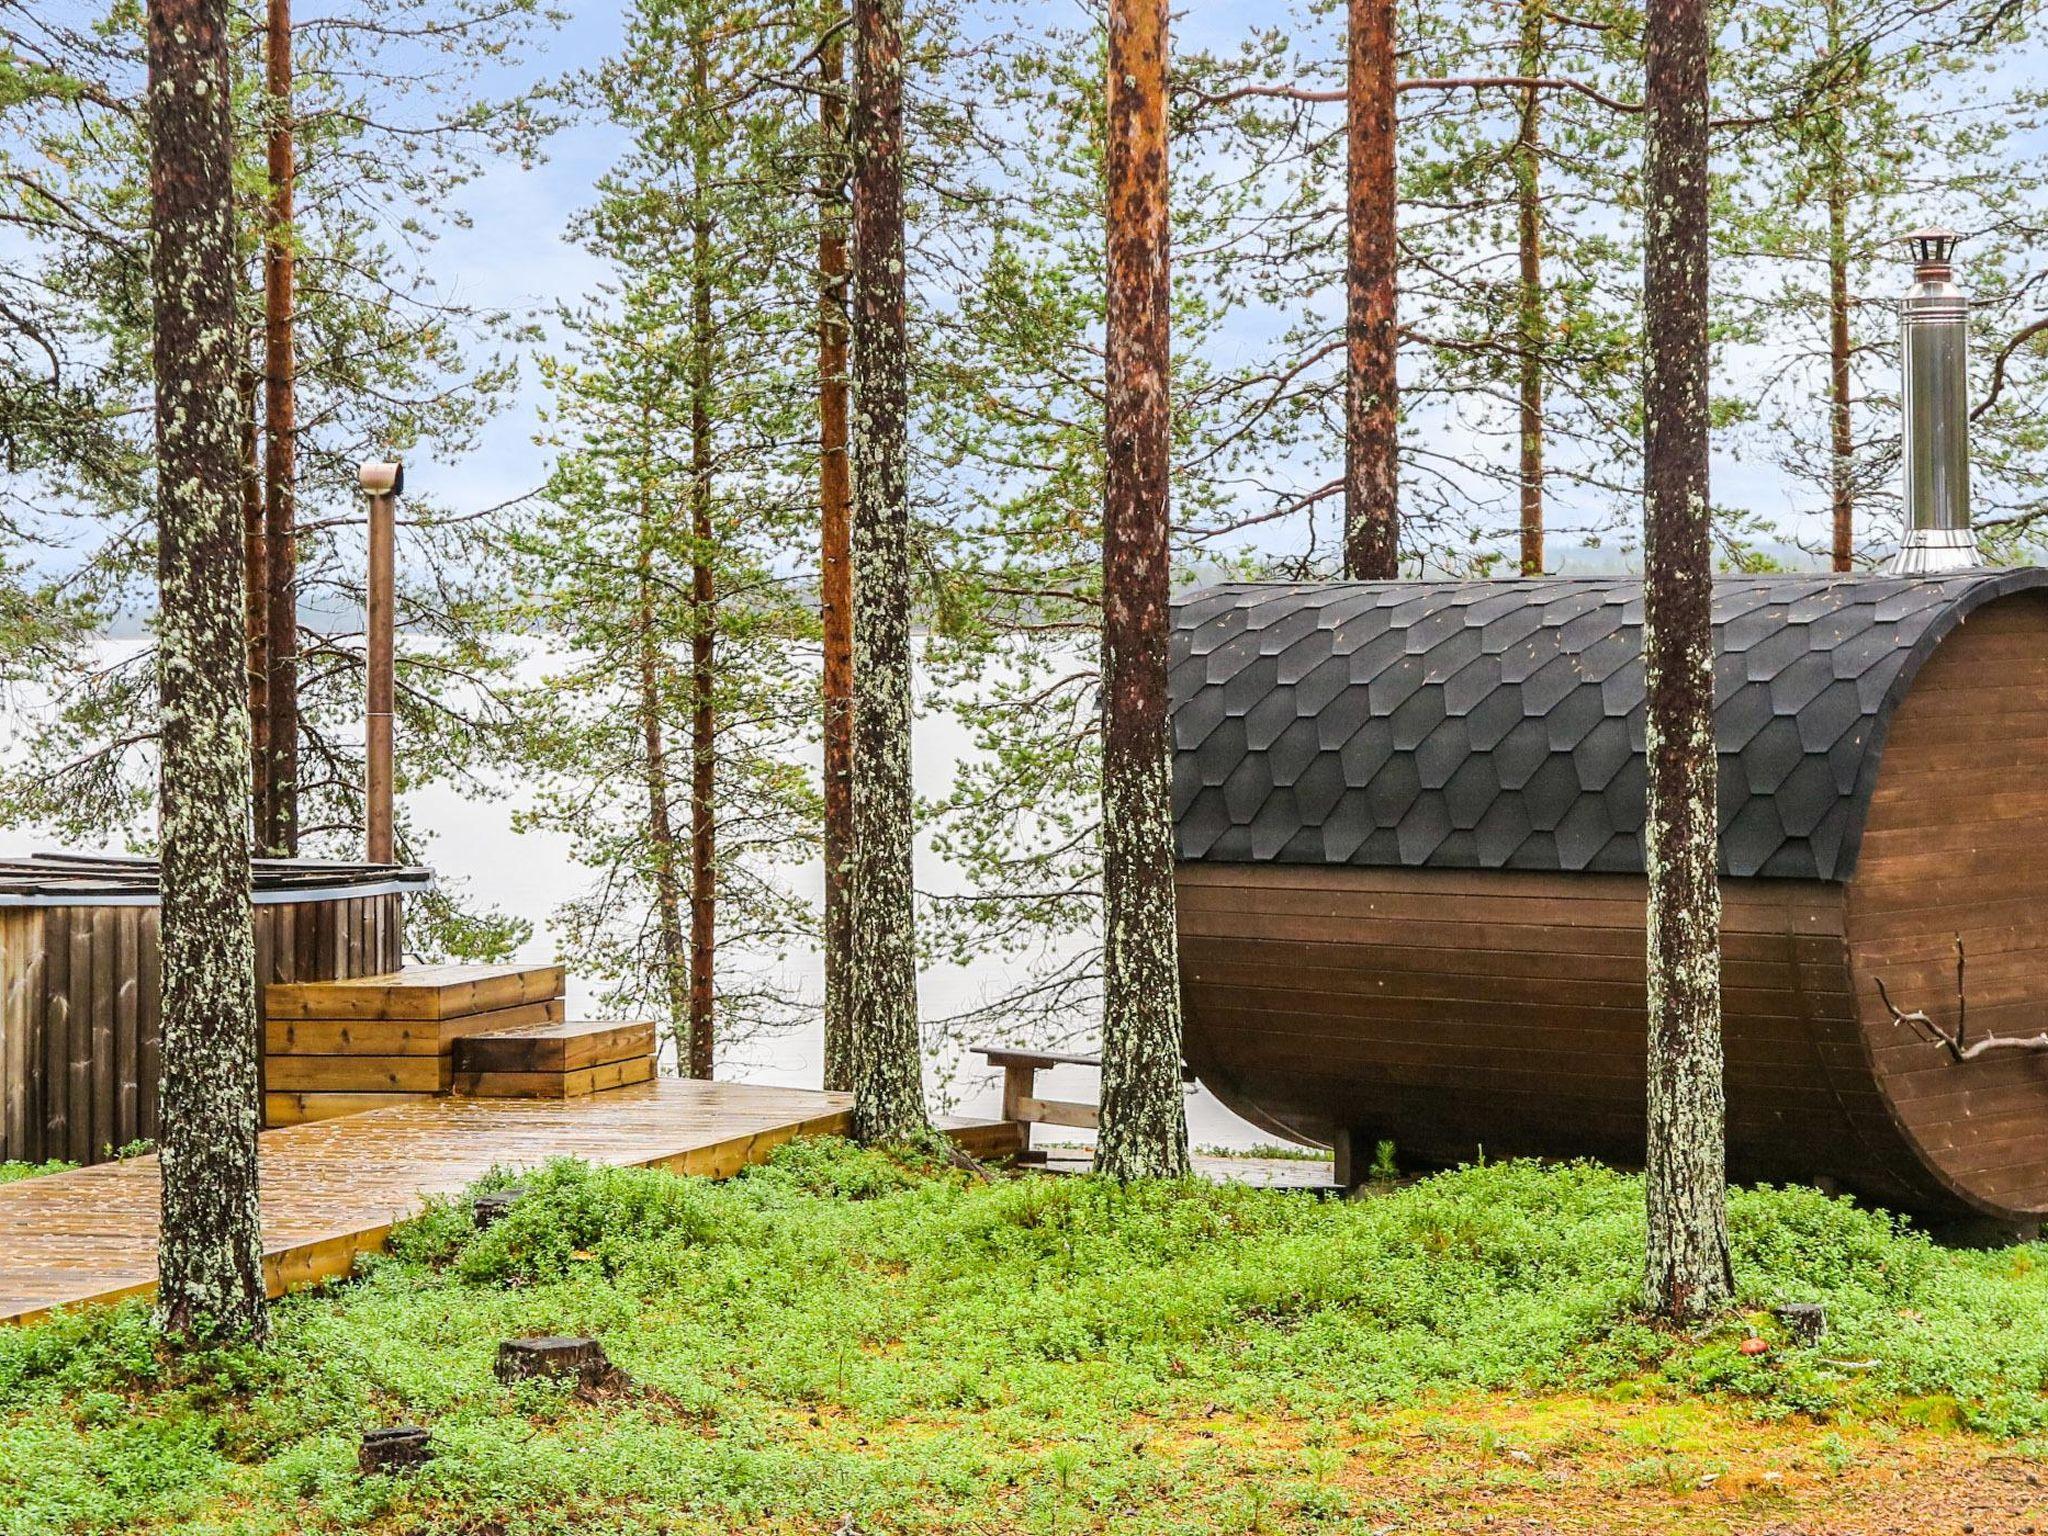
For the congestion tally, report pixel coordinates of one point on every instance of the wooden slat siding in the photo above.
(1405, 992)
(304, 945)
(35, 1101)
(1952, 845)
(78, 1144)
(21, 944)
(1567, 912)
(265, 922)
(398, 1037)
(80, 1059)
(1459, 1011)
(56, 1119)
(105, 1136)
(1505, 1037)
(1570, 901)
(127, 1025)
(151, 1024)
(336, 957)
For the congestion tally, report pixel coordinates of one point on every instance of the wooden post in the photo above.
(384, 482)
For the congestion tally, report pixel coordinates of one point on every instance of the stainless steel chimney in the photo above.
(1934, 327)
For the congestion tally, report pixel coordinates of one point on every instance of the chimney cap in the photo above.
(381, 477)
(1933, 251)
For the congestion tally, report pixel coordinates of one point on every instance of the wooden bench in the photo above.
(1022, 1106)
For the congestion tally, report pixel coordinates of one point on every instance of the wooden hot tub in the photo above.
(79, 978)
(1409, 818)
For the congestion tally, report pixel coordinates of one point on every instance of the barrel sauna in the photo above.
(79, 978)
(1410, 868)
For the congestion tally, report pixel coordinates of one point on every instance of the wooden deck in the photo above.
(333, 1189)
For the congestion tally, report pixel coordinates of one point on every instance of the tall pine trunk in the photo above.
(210, 1253)
(1841, 431)
(1144, 1116)
(703, 609)
(661, 834)
(277, 833)
(1372, 523)
(255, 612)
(835, 558)
(1686, 1164)
(1529, 317)
(888, 1081)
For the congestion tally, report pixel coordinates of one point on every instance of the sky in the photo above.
(516, 254)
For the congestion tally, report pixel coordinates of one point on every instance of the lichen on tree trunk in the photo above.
(888, 1083)
(703, 609)
(835, 584)
(1530, 323)
(1144, 1115)
(256, 609)
(210, 1252)
(1687, 1273)
(661, 836)
(1372, 341)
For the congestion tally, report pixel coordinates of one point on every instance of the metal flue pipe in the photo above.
(384, 483)
(1934, 327)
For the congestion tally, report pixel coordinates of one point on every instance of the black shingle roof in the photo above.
(1499, 724)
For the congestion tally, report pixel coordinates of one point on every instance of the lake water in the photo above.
(530, 874)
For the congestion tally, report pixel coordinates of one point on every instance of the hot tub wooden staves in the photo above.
(79, 974)
(1410, 821)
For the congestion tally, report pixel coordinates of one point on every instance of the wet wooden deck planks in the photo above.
(333, 1189)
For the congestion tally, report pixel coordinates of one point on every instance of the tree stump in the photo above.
(556, 1357)
(1805, 1321)
(399, 1448)
(489, 1209)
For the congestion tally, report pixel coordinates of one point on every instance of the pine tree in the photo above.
(674, 666)
(1518, 284)
(1372, 518)
(210, 1256)
(1144, 1119)
(887, 1054)
(1688, 1272)
(277, 784)
(835, 554)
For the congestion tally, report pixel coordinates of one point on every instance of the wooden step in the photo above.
(358, 1074)
(397, 1037)
(302, 1108)
(555, 1085)
(555, 1047)
(419, 992)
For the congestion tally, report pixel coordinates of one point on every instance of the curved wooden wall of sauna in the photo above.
(1460, 1013)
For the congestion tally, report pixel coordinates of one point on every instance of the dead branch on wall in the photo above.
(1958, 1044)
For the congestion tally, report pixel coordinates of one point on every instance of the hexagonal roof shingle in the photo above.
(1497, 725)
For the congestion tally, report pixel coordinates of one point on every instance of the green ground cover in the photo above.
(840, 1335)
(9, 1172)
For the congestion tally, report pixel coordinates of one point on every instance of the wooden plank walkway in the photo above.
(332, 1190)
